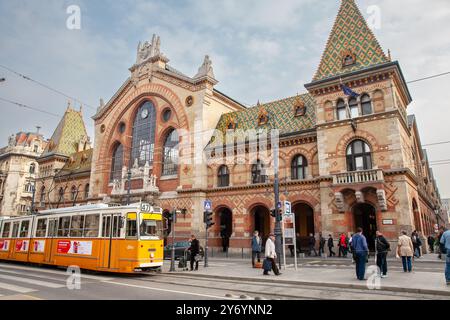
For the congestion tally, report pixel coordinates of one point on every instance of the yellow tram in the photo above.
(101, 237)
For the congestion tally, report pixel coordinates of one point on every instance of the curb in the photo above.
(324, 284)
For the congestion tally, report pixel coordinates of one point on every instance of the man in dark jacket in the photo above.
(382, 246)
(361, 250)
(312, 244)
(431, 243)
(195, 250)
(331, 245)
(256, 247)
(322, 242)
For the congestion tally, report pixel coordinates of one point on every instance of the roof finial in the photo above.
(389, 55)
(38, 128)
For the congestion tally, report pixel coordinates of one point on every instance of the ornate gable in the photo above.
(351, 46)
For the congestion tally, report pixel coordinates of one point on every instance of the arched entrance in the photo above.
(304, 222)
(366, 218)
(226, 227)
(261, 221)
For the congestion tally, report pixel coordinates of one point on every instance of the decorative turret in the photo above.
(206, 69)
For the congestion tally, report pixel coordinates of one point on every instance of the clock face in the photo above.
(144, 113)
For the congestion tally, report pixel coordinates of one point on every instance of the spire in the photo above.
(351, 46)
(206, 69)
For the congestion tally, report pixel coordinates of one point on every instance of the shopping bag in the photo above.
(267, 265)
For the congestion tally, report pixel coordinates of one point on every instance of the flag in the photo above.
(349, 92)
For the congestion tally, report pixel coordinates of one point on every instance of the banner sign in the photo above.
(39, 246)
(4, 245)
(22, 245)
(75, 247)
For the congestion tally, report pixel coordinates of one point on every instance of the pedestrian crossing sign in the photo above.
(207, 205)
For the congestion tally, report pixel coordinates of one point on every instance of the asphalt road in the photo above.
(25, 282)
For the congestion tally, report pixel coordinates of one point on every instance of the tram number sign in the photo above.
(145, 207)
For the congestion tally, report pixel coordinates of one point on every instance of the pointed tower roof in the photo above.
(351, 46)
(69, 132)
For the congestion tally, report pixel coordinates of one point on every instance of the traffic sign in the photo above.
(279, 205)
(207, 205)
(287, 208)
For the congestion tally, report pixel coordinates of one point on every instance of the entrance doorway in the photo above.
(366, 218)
(261, 222)
(304, 222)
(226, 227)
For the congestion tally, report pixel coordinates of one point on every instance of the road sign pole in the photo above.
(295, 242)
(206, 247)
(172, 260)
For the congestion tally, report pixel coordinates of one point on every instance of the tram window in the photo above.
(24, 229)
(106, 227)
(77, 226)
(131, 225)
(63, 227)
(116, 227)
(52, 228)
(151, 228)
(15, 232)
(41, 228)
(6, 229)
(91, 226)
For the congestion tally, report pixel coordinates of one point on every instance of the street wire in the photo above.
(31, 108)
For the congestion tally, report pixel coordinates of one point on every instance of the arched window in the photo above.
(143, 143)
(299, 167)
(359, 156)
(86, 191)
(258, 173)
(117, 163)
(341, 110)
(223, 176)
(366, 104)
(73, 193)
(170, 160)
(353, 105)
(61, 194)
(32, 168)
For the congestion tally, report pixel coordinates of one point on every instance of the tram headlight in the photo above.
(152, 255)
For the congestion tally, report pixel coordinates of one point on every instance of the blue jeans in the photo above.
(447, 267)
(361, 258)
(407, 263)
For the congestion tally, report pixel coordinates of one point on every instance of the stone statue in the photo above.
(12, 140)
(206, 69)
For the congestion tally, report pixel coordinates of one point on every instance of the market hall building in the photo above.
(338, 172)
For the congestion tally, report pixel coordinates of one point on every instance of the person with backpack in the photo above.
(382, 246)
(256, 248)
(417, 243)
(331, 245)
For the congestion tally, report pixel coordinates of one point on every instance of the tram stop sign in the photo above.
(287, 208)
(207, 205)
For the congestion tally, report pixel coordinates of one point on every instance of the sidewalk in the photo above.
(416, 282)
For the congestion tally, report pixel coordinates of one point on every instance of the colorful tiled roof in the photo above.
(78, 162)
(280, 113)
(350, 36)
(70, 131)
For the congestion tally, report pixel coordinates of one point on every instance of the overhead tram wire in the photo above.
(21, 105)
(47, 87)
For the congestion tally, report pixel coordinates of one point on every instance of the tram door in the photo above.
(51, 234)
(110, 230)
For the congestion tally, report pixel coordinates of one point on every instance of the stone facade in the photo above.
(18, 172)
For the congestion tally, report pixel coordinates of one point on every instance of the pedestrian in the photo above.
(312, 244)
(194, 250)
(343, 245)
(331, 245)
(382, 246)
(359, 243)
(298, 242)
(322, 242)
(445, 241)
(431, 243)
(271, 255)
(256, 247)
(417, 243)
(224, 236)
(405, 249)
(441, 247)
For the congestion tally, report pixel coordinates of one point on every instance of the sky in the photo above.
(261, 50)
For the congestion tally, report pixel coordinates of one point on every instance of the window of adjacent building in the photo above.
(61, 194)
(24, 229)
(15, 230)
(117, 163)
(258, 173)
(341, 110)
(77, 226)
(366, 105)
(63, 226)
(298, 168)
(6, 229)
(143, 141)
(73, 193)
(36, 148)
(23, 208)
(91, 225)
(32, 169)
(86, 191)
(41, 228)
(223, 176)
(170, 158)
(28, 187)
(359, 156)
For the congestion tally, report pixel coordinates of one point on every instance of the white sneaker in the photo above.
(384, 276)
